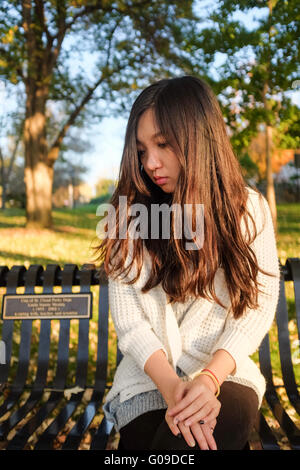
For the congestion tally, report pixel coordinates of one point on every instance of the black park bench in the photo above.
(53, 382)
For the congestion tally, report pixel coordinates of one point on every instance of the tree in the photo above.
(11, 134)
(104, 186)
(7, 165)
(260, 65)
(131, 43)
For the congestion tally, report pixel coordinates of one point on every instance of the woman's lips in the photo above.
(162, 180)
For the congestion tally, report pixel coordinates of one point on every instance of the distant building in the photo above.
(291, 170)
(70, 196)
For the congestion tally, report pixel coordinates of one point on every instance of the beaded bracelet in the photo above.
(213, 377)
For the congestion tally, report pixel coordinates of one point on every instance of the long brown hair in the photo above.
(189, 117)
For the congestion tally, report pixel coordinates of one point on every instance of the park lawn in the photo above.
(288, 238)
(72, 241)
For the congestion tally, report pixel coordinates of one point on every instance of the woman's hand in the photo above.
(197, 402)
(201, 433)
(181, 397)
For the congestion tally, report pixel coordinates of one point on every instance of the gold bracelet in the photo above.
(213, 379)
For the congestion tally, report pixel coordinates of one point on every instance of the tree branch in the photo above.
(85, 11)
(52, 54)
(41, 16)
(54, 149)
(27, 21)
(64, 26)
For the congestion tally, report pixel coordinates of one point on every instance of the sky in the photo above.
(104, 160)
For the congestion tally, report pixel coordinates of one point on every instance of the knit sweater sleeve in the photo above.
(134, 331)
(241, 337)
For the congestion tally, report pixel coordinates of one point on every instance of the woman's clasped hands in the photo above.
(192, 411)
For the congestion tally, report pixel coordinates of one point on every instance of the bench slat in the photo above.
(267, 438)
(285, 350)
(75, 435)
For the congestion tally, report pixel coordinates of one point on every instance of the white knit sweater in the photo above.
(145, 323)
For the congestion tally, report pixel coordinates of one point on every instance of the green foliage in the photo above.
(120, 36)
(104, 186)
(248, 165)
(260, 65)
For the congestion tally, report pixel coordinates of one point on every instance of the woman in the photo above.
(188, 310)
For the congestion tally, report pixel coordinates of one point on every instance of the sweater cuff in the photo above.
(236, 344)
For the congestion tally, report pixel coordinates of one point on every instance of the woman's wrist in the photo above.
(206, 380)
(162, 374)
(168, 392)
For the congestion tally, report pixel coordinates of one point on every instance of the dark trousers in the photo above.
(239, 407)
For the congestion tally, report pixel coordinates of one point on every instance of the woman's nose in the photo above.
(153, 161)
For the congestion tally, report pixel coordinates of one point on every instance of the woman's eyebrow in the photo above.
(158, 134)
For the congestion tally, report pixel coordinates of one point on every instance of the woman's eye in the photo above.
(162, 144)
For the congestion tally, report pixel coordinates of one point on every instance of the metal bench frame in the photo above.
(12, 412)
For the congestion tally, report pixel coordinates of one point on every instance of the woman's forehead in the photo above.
(147, 127)
(152, 137)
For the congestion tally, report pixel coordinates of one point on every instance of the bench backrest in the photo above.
(57, 349)
(61, 342)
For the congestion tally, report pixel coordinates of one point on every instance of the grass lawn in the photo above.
(72, 240)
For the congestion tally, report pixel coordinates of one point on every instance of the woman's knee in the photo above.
(138, 433)
(239, 407)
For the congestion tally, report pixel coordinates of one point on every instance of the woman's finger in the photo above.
(173, 427)
(206, 413)
(201, 438)
(187, 435)
(212, 424)
(208, 434)
(210, 416)
(198, 416)
(188, 412)
(189, 398)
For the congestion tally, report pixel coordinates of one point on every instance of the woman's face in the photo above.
(156, 155)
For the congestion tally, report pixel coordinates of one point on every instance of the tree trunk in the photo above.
(271, 198)
(38, 181)
(38, 174)
(3, 196)
(3, 181)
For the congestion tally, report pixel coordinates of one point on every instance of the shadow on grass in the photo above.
(11, 225)
(80, 218)
(291, 229)
(20, 259)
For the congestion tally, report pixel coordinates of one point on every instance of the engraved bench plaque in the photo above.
(48, 306)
